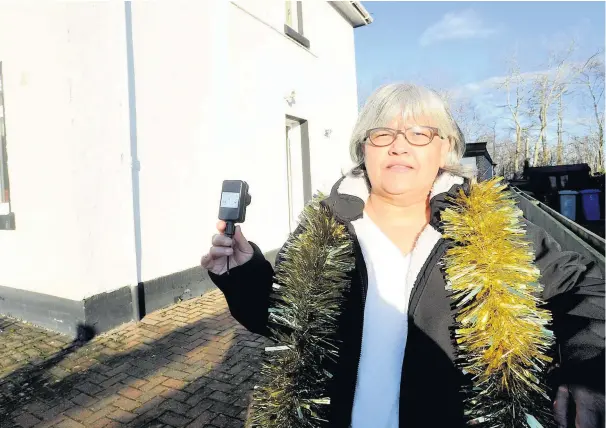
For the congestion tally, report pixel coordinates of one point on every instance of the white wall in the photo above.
(67, 142)
(185, 156)
(211, 78)
(173, 53)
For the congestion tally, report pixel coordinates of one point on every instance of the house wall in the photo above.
(66, 106)
(122, 122)
(485, 169)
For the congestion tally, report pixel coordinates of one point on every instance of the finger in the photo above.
(206, 261)
(241, 241)
(560, 406)
(221, 226)
(217, 252)
(222, 241)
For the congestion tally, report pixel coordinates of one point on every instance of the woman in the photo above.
(398, 292)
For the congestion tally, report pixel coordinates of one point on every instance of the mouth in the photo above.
(399, 168)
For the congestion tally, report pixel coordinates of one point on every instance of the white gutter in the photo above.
(353, 11)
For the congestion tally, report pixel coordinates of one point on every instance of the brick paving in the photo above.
(189, 365)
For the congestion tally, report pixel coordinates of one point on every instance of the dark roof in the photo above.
(477, 149)
(581, 167)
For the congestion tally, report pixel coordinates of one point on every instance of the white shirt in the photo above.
(377, 396)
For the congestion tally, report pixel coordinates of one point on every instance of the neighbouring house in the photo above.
(548, 179)
(119, 122)
(477, 157)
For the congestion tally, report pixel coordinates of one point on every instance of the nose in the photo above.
(399, 146)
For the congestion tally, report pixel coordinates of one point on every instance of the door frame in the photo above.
(303, 126)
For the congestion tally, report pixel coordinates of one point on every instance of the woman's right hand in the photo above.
(237, 249)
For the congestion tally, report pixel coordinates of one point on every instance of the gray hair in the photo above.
(409, 101)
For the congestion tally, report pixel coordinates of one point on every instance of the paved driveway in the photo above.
(187, 365)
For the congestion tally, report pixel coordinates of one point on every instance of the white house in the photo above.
(121, 120)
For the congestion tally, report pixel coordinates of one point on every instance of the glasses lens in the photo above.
(419, 136)
(382, 137)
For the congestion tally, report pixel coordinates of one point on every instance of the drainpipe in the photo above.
(138, 310)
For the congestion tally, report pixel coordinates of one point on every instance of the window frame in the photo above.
(295, 33)
(7, 217)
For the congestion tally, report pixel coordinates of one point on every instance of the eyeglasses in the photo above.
(415, 135)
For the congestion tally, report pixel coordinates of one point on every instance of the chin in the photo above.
(397, 188)
(400, 185)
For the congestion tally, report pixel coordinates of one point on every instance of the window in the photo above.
(6, 216)
(293, 22)
(294, 16)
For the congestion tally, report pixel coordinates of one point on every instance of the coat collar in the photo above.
(350, 193)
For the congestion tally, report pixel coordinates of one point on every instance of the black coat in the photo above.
(431, 383)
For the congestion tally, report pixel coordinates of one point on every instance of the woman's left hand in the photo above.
(579, 407)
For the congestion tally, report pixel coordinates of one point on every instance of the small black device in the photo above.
(232, 208)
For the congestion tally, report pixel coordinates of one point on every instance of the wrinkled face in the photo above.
(403, 169)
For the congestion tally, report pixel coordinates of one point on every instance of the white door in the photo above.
(294, 167)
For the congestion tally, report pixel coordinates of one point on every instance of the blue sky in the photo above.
(453, 44)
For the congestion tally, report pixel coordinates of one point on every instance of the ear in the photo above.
(444, 151)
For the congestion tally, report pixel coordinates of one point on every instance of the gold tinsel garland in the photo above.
(310, 284)
(501, 335)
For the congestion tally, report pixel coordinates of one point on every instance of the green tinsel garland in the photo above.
(311, 280)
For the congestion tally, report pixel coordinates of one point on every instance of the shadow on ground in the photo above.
(200, 374)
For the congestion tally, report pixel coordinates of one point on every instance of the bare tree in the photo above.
(534, 103)
(591, 76)
(547, 88)
(583, 149)
(560, 146)
(540, 99)
(467, 117)
(504, 157)
(465, 113)
(491, 137)
(514, 81)
(525, 138)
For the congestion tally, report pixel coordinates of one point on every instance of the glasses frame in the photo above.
(435, 132)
